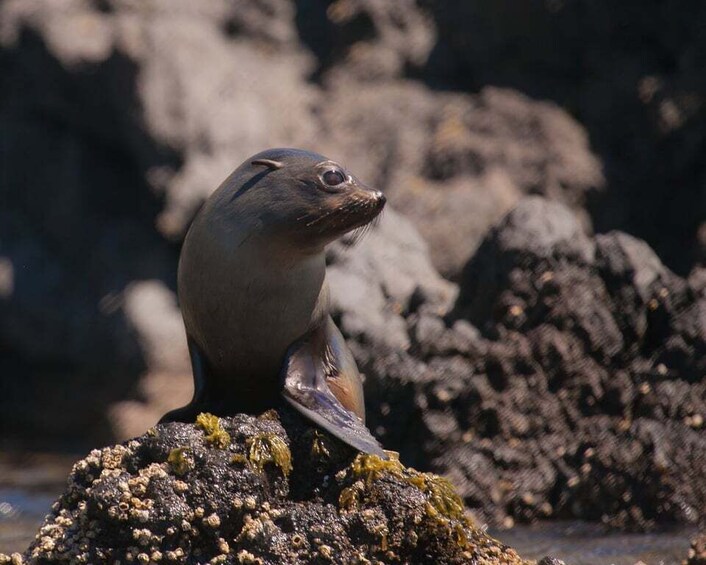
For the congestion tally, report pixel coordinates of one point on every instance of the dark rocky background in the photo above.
(531, 311)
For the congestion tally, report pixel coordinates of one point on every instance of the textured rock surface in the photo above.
(462, 161)
(380, 277)
(248, 490)
(697, 551)
(633, 75)
(369, 40)
(565, 382)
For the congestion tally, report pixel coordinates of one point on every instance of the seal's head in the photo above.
(302, 196)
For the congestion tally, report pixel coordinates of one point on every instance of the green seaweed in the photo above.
(269, 448)
(270, 414)
(371, 467)
(211, 425)
(319, 449)
(178, 460)
(441, 494)
(239, 459)
(442, 500)
(349, 499)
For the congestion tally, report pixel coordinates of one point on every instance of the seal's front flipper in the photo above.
(320, 383)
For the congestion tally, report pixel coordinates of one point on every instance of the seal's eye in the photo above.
(333, 177)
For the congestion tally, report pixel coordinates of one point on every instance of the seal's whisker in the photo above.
(321, 217)
(358, 234)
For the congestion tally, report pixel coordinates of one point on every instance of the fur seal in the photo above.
(253, 294)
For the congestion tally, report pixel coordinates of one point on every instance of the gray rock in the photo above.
(575, 382)
(645, 113)
(456, 163)
(374, 281)
(366, 39)
(543, 229)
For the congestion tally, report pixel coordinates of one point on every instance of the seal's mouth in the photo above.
(359, 232)
(359, 211)
(344, 212)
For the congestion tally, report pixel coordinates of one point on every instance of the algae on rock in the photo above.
(211, 426)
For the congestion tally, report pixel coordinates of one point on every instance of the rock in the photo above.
(153, 314)
(551, 561)
(697, 551)
(456, 163)
(375, 280)
(366, 39)
(564, 382)
(630, 78)
(151, 308)
(253, 490)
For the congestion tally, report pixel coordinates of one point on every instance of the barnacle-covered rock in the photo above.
(273, 492)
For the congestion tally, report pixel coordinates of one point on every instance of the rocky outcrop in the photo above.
(370, 40)
(456, 163)
(631, 75)
(566, 381)
(697, 551)
(253, 490)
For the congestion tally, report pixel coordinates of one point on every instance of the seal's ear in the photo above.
(274, 165)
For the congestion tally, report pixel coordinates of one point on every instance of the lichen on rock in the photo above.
(277, 492)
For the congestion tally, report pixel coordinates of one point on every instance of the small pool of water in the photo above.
(581, 543)
(30, 483)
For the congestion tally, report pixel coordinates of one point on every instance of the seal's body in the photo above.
(252, 289)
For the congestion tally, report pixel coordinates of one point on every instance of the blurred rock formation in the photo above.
(633, 74)
(566, 381)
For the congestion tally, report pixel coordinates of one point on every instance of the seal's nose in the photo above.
(379, 198)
